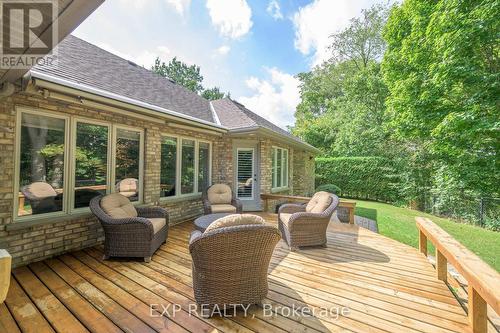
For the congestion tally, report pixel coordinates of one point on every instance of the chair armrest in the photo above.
(152, 212)
(194, 236)
(291, 208)
(237, 203)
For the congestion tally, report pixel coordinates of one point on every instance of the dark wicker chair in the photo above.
(305, 225)
(134, 236)
(230, 264)
(42, 198)
(219, 198)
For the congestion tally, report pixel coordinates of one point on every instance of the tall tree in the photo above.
(361, 42)
(442, 70)
(342, 108)
(183, 74)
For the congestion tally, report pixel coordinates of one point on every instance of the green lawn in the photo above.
(399, 224)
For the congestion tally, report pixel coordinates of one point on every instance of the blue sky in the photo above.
(252, 48)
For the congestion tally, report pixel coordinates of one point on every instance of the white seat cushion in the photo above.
(319, 203)
(235, 219)
(118, 207)
(157, 223)
(223, 208)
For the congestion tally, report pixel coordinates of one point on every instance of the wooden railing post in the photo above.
(477, 306)
(441, 266)
(351, 215)
(422, 243)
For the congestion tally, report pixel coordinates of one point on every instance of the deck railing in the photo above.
(483, 281)
(350, 205)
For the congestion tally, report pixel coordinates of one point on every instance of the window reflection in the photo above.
(168, 166)
(91, 160)
(128, 149)
(41, 176)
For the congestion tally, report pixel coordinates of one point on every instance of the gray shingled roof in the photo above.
(234, 115)
(84, 63)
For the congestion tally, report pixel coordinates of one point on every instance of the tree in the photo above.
(187, 76)
(214, 93)
(342, 108)
(183, 74)
(361, 42)
(442, 71)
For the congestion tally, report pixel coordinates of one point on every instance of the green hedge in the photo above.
(372, 178)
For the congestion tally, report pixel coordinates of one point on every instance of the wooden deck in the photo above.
(385, 285)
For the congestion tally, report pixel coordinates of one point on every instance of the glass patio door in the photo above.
(245, 172)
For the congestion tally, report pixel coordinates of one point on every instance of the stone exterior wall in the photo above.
(33, 242)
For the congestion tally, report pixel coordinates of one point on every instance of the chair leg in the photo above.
(147, 259)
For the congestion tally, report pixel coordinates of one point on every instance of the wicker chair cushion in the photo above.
(319, 202)
(285, 218)
(219, 194)
(41, 190)
(157, 223)
(223, 208)
(127, 185)
(118, 207)
(235, 219)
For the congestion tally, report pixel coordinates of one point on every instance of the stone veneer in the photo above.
(28, 243)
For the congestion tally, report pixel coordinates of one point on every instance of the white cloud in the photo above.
(181, 6)
(273, 9)
(274, 99)
(232, 18)
(315, 22)
(223, 50)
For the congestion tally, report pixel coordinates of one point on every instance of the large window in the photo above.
(98, 163)
(127, 163)
(168, 167)
(91, 162)
(203, 166)
(185, 166)
(42, 150)
(279, 168)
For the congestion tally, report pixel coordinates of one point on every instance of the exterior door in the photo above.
(247, 176)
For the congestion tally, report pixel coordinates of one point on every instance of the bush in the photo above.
(331, 188)
(372, 178)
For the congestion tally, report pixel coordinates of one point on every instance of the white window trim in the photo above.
(274, 161)
(196, 191)
(70, 163)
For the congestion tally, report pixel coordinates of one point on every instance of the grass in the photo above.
(399, 224)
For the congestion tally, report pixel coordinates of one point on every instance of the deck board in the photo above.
(385, 285)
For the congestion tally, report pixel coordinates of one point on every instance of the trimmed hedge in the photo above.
(372, 178)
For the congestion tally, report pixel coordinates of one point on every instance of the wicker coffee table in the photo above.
(202, 222)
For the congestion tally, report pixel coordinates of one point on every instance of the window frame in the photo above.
(196, 191)
(70, 162)
(284, 168)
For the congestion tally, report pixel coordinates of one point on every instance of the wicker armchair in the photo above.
(305, 225)
(219, 198)
(129, 231)
(230, 263)
(42, 197)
